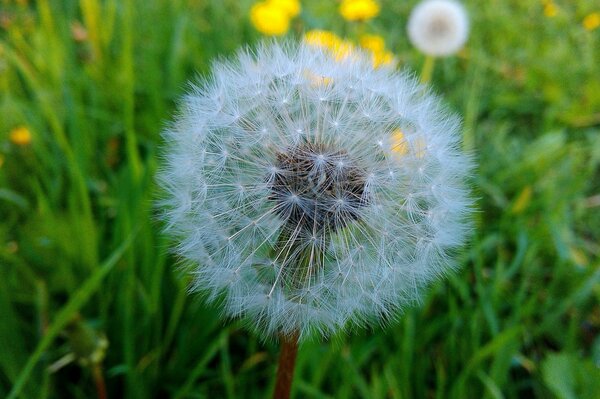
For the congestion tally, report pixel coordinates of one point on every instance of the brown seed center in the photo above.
(318, 189)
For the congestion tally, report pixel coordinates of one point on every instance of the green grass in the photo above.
(80, 244)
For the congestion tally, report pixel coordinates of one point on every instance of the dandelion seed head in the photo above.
(331, 209)
(438, 27)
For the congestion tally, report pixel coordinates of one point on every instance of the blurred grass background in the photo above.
(90, 84)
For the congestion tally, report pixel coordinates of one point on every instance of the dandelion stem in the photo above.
(287, 362)
(99, 381)
(427, 70)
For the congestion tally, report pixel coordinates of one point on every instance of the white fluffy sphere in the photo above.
(312, 192)
(438, 27)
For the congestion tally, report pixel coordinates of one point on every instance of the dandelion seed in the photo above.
(438, 27)
(330, 210)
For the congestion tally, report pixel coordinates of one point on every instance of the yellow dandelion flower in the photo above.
(20, 136)
(359, 10)
(328, 40)
(592, 21)
(343, 50)
(269, 20)
(375, 43)
(322, 38)
(399, 144)
(291, 7)
(383, 58)
(550, 10)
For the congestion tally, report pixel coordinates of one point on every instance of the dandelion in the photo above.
(550, 9)
(322, 38)
(290, 198)
(20, 136)
(329, 41)
(376, 45)
(359, 10)
(270, 19)
(291, 7)
(438, 27)
(306, 209)
(592, 21)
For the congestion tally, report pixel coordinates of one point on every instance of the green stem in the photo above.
(427, 70)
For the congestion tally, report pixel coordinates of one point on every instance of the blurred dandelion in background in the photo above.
(329, 41)
(342, 48)
(438, 27)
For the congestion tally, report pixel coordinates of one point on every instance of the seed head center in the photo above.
(318, 189)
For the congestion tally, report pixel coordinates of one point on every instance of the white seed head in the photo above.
(438, 27)
(313, 193)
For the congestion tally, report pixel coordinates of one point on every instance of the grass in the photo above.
(79, 243)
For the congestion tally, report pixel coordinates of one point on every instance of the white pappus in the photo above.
(312, 192)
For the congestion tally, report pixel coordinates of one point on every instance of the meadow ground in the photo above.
(85, 90)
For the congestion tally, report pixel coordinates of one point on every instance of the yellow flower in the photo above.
(343, 50)
(592, 21)
(358, 10)
(291, 7)
(322, 38)
(399, 144)
(269, 19)
(550, 10)
(376, 45)
(330, 41)
(20, 136)
(383, 58)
